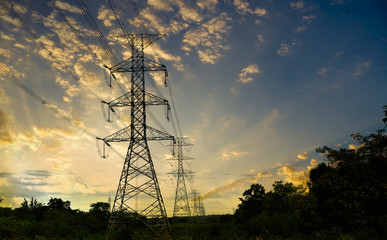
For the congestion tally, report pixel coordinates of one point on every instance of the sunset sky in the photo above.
(257, 87)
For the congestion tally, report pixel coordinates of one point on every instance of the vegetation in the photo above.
(35, 220)
(345, 198)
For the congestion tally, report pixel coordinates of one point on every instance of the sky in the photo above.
(256, 87)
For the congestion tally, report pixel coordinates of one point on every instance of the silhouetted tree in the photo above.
(252, 202)
(99, 213)
(33, 204)
(59, 204)
(351, 187)
(284, 197)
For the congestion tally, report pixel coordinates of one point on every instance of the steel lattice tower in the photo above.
(138, 177)
(181, 206)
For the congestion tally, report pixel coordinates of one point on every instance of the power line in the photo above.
(57, 112)
(44, 47)
(157, 55)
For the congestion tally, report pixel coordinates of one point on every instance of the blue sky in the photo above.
(257, 86)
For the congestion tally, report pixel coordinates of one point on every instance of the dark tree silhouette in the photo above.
(59, 204)
(252, 202)
(351, 187)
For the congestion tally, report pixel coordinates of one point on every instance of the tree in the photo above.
(59, 204)
(100, 210)
(251, 202)
(351, 187)
(284, 198)
(33, 204)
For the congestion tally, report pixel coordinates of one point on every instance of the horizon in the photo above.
(256, 87)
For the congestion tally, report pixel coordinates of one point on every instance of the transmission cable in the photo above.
(55, 110)
(44, 47)
(170, 91)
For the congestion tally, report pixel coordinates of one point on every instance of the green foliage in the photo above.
(34, 220)
(351, 189)
(59, 204)
(346, 199)
(252, 202)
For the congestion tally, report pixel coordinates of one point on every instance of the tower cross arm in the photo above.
(136, 40)
(125, 100)
(131, 65)
(124, 135)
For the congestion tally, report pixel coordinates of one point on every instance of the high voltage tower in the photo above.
(181, 206)
(138, 178)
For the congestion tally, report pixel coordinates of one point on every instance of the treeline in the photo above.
(345, 198)
(56, 220)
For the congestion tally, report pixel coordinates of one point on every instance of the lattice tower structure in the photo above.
(181, 206)
(138, 177)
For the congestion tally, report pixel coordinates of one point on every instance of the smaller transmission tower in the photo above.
(181, 207)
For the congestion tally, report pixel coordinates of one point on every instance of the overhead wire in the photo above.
(100, 36)
(126, 33)
(142, 23)
(44, 47)
(67, 70)
(108, 51)
(59, 113)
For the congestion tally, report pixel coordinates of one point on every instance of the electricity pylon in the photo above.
(138, 177)
(181, 207)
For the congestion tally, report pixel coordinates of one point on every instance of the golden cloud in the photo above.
(303, 156)
(251, 69)
(5, 136)
(235, 184)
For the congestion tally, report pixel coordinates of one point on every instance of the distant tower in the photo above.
(181, 207)
(138, 177)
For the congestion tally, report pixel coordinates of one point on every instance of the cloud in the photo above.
(106, 15)
(71, 90)
(260, 38)
(6, 37)
(5, 136)
(303, 156)
(297, 5)
(295, 177)
(301, 29)
(19, 8)
(4, 98)
(158, 52)
(209, 38)
(4, 182)
(5, 17)
(243, 7)
(286, 170)
(340, 2)
(189, 14)
(236, 184)
(285, 49)
(234, 91)
(309, 18)
(292, 175)
(163, 5)
(209, 4)
(244, 76)
(38, 173)
(271, 118)
(67, 7)
(323, 71)
(353, 147)
(233, 154)
(157, 24)
(361, 68)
